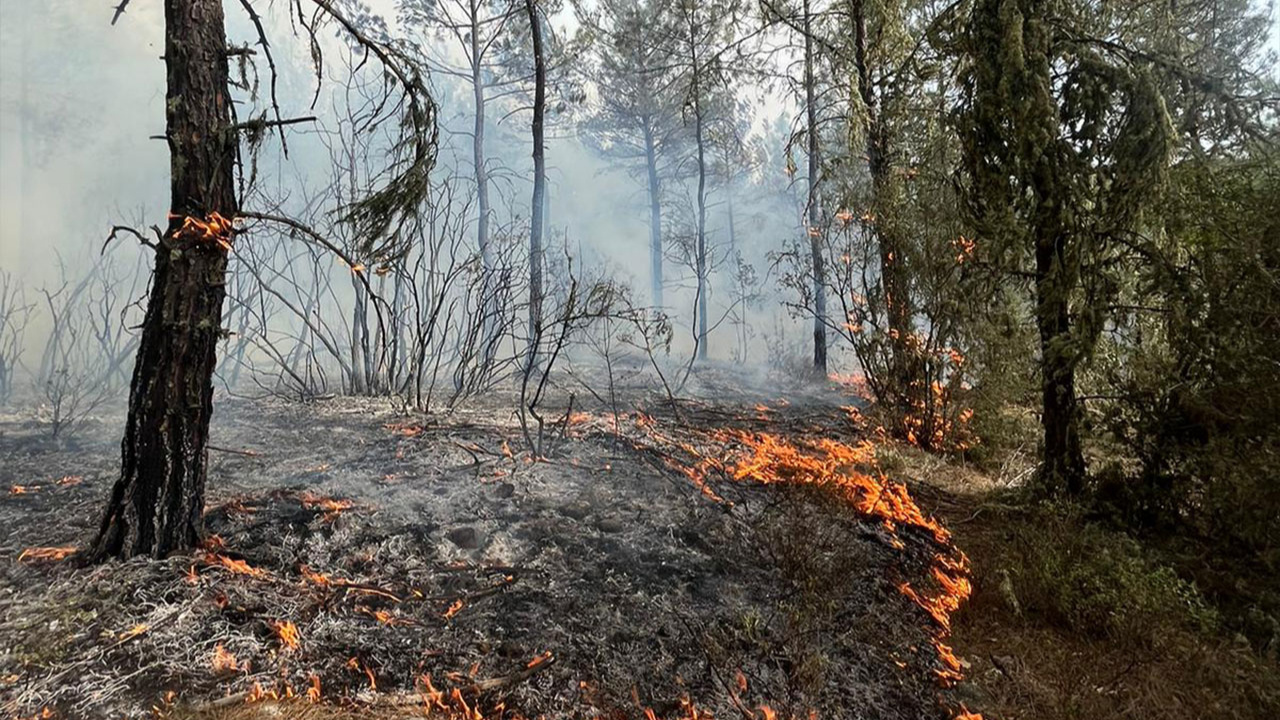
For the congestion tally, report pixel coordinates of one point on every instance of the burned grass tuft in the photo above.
(598, 583)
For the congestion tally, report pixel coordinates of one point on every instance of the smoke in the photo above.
(79, 100)
(82, 102)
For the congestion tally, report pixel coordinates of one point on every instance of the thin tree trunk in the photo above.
(815, 205)
(655, 215)
(358, 375)
(477, 144)
(539, 184)
(742, 290)
(157, 504)
(701, 261)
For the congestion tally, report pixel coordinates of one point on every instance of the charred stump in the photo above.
(157, 503)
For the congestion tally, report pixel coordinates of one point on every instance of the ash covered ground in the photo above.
(356, 551)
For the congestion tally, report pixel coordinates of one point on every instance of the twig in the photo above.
(247, 453)
(516, 677)
(262, 124)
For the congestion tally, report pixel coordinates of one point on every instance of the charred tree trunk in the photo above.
(157, 504)
(539, 184)
(655, 215)
(815, 205)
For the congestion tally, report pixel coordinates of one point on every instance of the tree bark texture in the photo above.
(815, 229)
(539, 182)
(156, 505)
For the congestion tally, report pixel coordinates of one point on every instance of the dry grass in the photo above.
(290, 711)
(1028, 657)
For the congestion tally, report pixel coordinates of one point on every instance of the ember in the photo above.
(313, 689)
(46, 554)
(238, 567)
(287, 632)
(223, 661)
(454, 609)
(405, 429)
(332, 507)
(133, 632)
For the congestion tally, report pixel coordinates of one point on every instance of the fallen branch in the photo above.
(538, 665)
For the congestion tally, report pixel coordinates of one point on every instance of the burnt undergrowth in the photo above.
(360, 557)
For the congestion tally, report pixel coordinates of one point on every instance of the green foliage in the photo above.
(1198, 372)
(1100, 582)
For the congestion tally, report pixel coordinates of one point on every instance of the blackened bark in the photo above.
(539, 182)
(655, 215)
(157, 504)
(815, 204)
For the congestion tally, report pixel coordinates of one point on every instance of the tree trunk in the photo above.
(539, 184)
(157, 504)
(698, 132)
(477, 143)
(902, 381)
(815, 206)
(655, 215)
(1063, 465)
(741, 300)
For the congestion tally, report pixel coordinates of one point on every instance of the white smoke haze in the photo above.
(83, 103)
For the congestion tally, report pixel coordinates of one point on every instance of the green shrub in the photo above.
(1098, 581)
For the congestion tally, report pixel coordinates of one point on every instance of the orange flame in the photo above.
(313, 689)
(454, 609)
(846, 471)
(46, 554)
(223, 661)
(287, 632)
(332, 507)
(238, 567)
(214, 228)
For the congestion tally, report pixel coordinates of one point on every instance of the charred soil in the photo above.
(361, 557)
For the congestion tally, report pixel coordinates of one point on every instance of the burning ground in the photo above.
(737, 559)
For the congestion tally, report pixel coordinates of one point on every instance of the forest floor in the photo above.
(759, 555)
(654, 562)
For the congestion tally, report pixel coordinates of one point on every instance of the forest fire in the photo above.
(223, 661)
(46, 554)
(237, 567)
(851, 473)
(214, 228)
(287, 632)
(332, 507)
